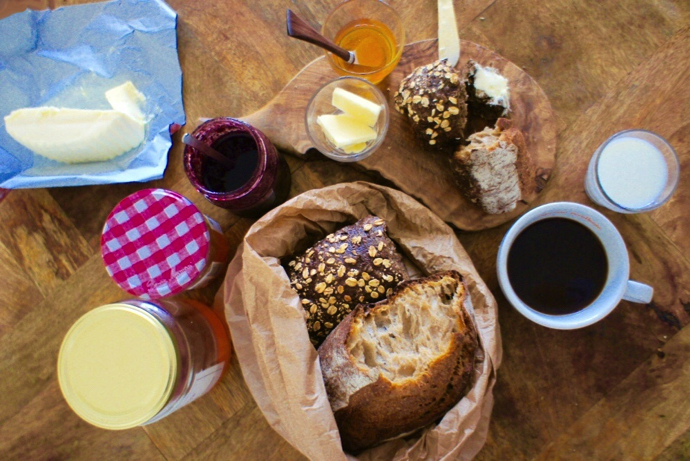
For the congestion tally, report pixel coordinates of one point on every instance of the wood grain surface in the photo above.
(613, 391)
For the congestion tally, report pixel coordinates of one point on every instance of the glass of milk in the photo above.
(632, 172)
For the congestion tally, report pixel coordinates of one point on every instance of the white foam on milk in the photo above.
(632, 172)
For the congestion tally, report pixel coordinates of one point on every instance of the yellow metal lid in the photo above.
(117, 366)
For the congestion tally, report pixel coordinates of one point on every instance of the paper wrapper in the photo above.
(269, 332)
(69, 57)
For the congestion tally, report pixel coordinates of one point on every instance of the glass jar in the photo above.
(156, 243)
(261, 177)
(132, 363)
(370, 28)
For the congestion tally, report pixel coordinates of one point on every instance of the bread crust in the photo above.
(368, 407)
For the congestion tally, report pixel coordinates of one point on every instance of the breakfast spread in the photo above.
(394, 366)
(396, 353)
(82, 135)
(493, 170)
(355, 264)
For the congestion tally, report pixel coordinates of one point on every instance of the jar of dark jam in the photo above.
(260, 179)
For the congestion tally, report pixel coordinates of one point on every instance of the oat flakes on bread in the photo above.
(395, 366)
(355, 264)
(494, 170)
(433, 97)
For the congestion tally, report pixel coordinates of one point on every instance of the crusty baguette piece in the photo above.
(356, 264)
(397, 365)
(494, 170)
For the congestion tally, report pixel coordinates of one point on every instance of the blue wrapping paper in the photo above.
(69, 57)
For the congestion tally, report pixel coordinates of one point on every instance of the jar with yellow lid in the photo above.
(132, 363)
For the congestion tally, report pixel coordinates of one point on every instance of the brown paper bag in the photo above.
(269, 332)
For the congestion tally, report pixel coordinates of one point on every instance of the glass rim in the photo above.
(656, 203)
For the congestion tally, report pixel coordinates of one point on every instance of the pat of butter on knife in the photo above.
(82, 135)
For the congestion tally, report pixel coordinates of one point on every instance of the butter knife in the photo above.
(448, 38)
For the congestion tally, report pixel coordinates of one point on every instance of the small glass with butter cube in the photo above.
(347, 119)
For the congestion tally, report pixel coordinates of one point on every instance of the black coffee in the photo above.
(557, 266)
(241, 147)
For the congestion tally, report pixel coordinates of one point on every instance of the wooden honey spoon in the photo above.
(298, 28)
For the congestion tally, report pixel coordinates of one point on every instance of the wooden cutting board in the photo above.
(407, 162)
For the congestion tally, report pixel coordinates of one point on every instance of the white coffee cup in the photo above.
(616, 287)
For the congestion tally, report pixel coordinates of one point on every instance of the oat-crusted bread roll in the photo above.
(395, 366)
(355, 264)
(434, 99)
(494, 171)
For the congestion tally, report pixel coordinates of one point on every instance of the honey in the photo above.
(374, 45)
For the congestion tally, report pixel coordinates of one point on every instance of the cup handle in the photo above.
(637, 292)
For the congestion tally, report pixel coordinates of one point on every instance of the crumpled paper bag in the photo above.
(69, 57)
(270, 338)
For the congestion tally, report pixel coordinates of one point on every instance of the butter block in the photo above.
(355, 148)
(343, 130)
(356, 106)
(75, 135)
(82, 135)
(126, 99)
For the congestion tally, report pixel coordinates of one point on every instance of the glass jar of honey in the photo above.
(156, 243)
(373, 31)
(260, 179)
(132, 363)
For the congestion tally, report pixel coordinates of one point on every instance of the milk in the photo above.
(632, 172)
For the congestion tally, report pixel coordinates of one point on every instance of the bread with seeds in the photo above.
(434, 99)
(395, 366)
(356, 264)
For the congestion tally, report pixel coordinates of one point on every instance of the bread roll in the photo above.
(494, 171)
(356, 264)
(395, 366)
(433, 97)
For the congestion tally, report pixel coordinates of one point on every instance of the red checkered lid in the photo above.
(155, 243)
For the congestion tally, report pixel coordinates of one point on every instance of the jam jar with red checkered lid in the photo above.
(156, 244)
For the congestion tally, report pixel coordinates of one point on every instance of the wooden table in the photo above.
(615, 390)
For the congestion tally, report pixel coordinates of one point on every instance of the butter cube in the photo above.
(355, 148)
(126, 99)
(343, 130)
(356, 106)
